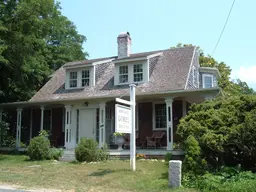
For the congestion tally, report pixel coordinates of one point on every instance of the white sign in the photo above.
(123, 119)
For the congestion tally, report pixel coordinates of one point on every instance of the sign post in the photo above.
(133, 132)
(125, 122)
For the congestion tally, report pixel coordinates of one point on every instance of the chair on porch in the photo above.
(155, 139)
(127, 139)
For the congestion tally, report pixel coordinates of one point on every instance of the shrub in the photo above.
(226, 180)
(103, 153)
(87, 150)
(4, 127)
(225, 130)
(38, 148)
(193, 161)
(168, 157)
(55, 153)
(44, 133)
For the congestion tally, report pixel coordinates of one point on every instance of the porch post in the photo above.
(184, 108)
(42, 118)
(31, 124)
(18, 130)
(102, 128)
(169, 123)
(67, 126)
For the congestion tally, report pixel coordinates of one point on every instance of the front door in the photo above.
(87, 123)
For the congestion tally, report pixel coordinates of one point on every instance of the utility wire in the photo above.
(223, 27)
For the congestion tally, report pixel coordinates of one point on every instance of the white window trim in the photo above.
(154, 116)
(138, 73)
(86, 78)
(131, 74)
(123, 74)
(207, 75)
(79, 77)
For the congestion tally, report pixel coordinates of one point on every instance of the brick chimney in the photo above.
(124, 42)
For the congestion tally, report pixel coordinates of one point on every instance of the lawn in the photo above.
(113, 176)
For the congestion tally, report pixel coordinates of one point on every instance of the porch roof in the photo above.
(61, 101)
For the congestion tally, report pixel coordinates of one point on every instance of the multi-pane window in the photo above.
(137, 72)
(160, 116)
(123, 74)
(207, 81)
(73, 79)
(85, 78)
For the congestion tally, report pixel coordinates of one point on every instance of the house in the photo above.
(79, 99)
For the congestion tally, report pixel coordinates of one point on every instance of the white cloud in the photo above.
(247, 74)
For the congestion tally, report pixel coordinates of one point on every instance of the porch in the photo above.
(68, 122)
(69, 155)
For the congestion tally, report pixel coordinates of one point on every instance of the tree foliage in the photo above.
(35, 40)
(229, 87)
(225, 130)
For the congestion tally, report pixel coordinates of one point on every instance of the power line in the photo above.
(223, 27)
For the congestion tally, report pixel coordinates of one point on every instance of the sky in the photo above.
(156, 25)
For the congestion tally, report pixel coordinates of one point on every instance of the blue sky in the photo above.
(161, 24)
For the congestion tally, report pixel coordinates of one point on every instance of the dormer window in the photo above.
(123, 74)
(73, 79)
(131, 73)
(207, 81)
(85, 78)
(80, 78)
(137, 72)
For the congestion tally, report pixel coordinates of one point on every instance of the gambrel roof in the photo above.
(169, 71)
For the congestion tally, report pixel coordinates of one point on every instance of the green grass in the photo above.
(113, 176)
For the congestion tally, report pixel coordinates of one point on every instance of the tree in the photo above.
(228, 86)
(225, 131)
(35, 40)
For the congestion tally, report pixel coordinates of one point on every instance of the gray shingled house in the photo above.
(79, 99)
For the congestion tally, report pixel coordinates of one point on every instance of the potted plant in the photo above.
(119, 140)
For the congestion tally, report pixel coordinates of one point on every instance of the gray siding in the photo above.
(195, 65)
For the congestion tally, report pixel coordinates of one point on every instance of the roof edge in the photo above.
(58, 101)
(195, 48)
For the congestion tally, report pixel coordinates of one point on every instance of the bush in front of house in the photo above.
(220, 132)
(103, 154)
(227, 179)
(54, 153)
(87, 150)
(38, 148)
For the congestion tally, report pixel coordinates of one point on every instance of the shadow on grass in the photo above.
(2, 157)
(165, 175)
(103, 172)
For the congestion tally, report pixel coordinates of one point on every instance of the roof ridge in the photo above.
(88, 61)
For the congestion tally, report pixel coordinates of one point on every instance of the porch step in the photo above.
(68, 156)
